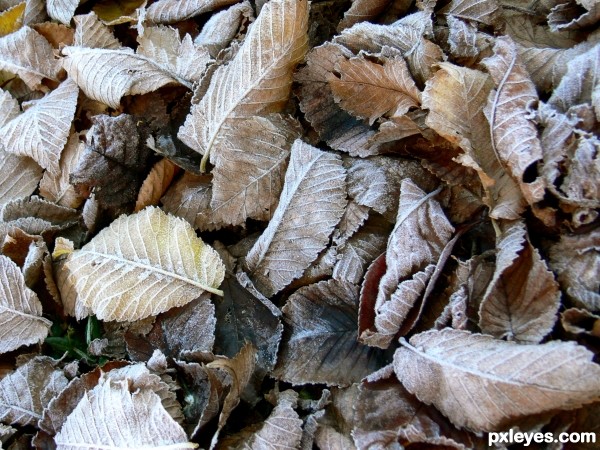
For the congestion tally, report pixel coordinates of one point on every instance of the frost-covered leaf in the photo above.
(168, 11)
(19, 176)
(155, 184)
(417, 240)
(142, 265)
(11, 19)
(514, 134)
(522, 298)
(27, 54)
(42, 130)
(456, 98)
(362, 10)
(36, 207)
(319, 344)
(62, 10)
(9, 107)
(370, 90)
(90, 32)
(21, 321)
(486, 384)
(112, 416)
(25, 392)
(257, 80)
(55, 186)
(474, 10)
(249, 171)
(311, 204)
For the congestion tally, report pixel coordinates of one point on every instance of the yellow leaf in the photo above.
(11, 19)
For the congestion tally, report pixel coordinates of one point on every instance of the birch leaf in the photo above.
(25, 392)
(168, 11)
(514, 135)
(370, 90)
(27, 54)
(257, 81)
(110, 416)
(21, 321)
(311, 205)
(142, 265)
(522, 298)
(503, 383)
(42, 130)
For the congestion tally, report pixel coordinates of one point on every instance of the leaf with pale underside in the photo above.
(256, 82)
(19, 176)
(311, 205)
(110, 416)
(21, 321)
(485, 384)
(62, 10)
(142, 265)
(514, 135)
(419, 236)
(168, 11)
(9, 107)
(25, 392)
(42, 130)
(90, 32)
(370, 90)
(319, 344)
(482, 11)
(27, 54)
(456, 98)
(249, 171)
(522, 298)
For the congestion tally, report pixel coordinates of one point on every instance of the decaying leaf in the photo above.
(11, 19)
(21, 321)
(156, 184)
(362, 10)
(25, 392)
(319, 344)
(311, 204)
(167, 11)
(257, 81)
(477, 11)
(124, 273)
(111, 415)
(91, 32)
(62, 10)
(42, 130)
(19, 176)
(485, 384)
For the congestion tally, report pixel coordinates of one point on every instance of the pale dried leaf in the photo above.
(168, 11)
(574, 14)
(25, 392)
(27, 54)
(328, 438)
(514, 134)
(362, 10)
(257, 80)
(35, 12)
(90, 32)
(189, 198)
(281, 430)
(311, 205)
(482, 11)
(370, 90)
(319, 344)
(62, 10)
(19, 177)
(249, 171)
(155, 184)
(456, 98)
(522, 298)
(36, 207)
(42, 130)
(353, 218)
(110, 416)
(55, 186)
(21, 321)
(142, 265)
(463, 38)
(490, 384)
(9, 107)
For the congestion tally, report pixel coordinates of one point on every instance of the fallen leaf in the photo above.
(319, 344)
(136, 281)
(20, 310)
(573, 14)
(62, 10)
(11, 19)
(257, 81)
(472, 10)
(155, 184)
(223, 27)
(112, 415)
(92, 33)
(504, 383)
(19, 177)
(168, 11)
(362, 10)
(116, 13)
(42, 130)
(313, 199)
(580, 321)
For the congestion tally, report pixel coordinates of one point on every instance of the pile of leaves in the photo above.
(268, 224)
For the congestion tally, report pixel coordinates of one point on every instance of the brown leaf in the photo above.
(55, 33)
(370, 89)
(522, 298)
(362, 10)
(419, 236)
(472, 10)
(168, 11)
(311, 205)
(580, 321)
(514, 135)
(25, 392)
(504, 383)
(155, 184)
(574, 14)
(319, 344)
(38, 208)
(456, 98)
(328, 438)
